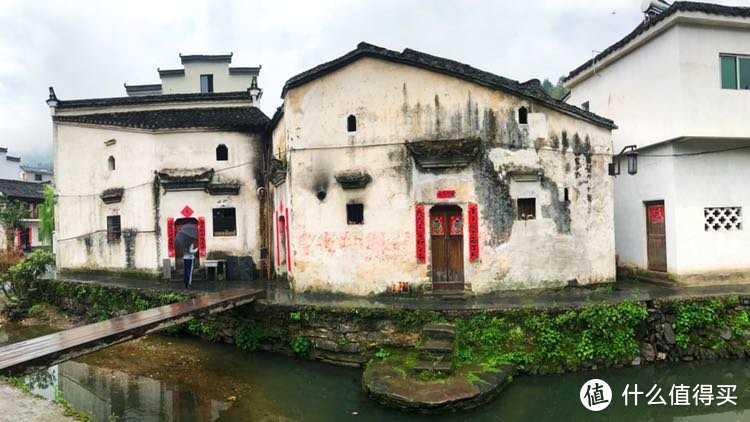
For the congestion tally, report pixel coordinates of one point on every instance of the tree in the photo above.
(47, 215)
(557, 91)
(11, 214)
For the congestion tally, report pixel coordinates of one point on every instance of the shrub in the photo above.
(300, 346)
(249, 336)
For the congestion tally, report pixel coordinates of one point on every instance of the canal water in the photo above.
(163, 378)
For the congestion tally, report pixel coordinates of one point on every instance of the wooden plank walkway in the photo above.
(54, 348)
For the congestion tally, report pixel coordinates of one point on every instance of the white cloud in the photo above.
(89, 48)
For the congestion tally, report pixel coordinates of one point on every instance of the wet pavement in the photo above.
(278, 292)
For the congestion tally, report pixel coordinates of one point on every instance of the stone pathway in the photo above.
(278, 292)
(17, 405)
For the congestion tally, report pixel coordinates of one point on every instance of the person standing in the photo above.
(188, 259)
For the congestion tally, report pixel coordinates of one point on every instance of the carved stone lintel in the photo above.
(444, 154)
(353, 179)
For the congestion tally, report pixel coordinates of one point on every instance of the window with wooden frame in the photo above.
(114, 230)
(225, 222)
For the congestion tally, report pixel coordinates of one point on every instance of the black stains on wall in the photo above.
(512, 136)
(489, 125)
(403, 166)
(437, 113)
(565, 141)
(493, 193)
(321, 182)
(554, 141)
(557, 210)
(156, 196)
(88, 243)
(128, 236)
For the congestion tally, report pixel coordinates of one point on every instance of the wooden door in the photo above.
(447, 242)
(656, 238)
(179, 264)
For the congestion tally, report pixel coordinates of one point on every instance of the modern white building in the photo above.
(10, 166)
(678, 87)
(36, 174)
(201, 73)
(130, 171)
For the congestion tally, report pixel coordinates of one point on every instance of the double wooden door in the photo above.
(447, 246)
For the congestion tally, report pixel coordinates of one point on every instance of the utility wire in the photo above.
(567, 150)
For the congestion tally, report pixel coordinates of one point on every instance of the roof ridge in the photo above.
(449, 67)
(677, 6)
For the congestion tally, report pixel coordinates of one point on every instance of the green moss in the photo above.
(249, 336)
(300, 346)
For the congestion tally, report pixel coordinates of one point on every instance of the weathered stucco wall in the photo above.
(81, 161)
(394, 104)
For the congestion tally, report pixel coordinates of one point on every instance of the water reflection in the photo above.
(183, 379)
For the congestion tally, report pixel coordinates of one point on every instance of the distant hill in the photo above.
(42, 159)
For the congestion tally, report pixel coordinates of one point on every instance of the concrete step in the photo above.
(441, 366)
(439, 331)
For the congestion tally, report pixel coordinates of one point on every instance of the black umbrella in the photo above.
(186, 236)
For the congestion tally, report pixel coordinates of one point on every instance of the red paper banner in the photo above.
(170, 236)
(473, 233)
(288, 240)
(446, 194)
(437, 225)
(202, 236)
(419, 225)
(656, 214)
(456, 225)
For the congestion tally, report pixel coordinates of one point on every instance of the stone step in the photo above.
(439, 331)
(433, 366)
(435, 356)
(438, 346)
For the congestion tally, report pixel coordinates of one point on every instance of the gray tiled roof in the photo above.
(234, 118)
(153, 99)
(531, 89)
(29, 169)
(678, 6)
(16, 189)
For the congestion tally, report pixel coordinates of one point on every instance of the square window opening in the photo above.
(526, 208)
(38, 177)
(114, 231)
(355, 213)
(225, 221)
(207, 84)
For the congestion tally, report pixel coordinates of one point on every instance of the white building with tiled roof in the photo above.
(678, 87)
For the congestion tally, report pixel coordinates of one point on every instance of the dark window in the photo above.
(38, 177)
(111, 162)
(526, 208)
(566, 196)
(355, 214)
(523, 116)
(225, 222)
(222, 153)
(735, 72)
(113, 228)
(351, 123)
(207, 84)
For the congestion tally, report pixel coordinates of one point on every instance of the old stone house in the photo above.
(131, 170)
(677, 85)
(401, 168)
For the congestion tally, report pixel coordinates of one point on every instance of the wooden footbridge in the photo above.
(54, 348)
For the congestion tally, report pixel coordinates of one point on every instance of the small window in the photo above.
(222, 153)
(38, 177)
(526, 208)
(523, 116)
(735, 72)
(566, 195)
(113, 228)
(351, 123)
(225, 222)
(355, 214)
(111, 162)
(207, 84)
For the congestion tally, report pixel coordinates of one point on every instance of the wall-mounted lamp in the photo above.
(632, 156)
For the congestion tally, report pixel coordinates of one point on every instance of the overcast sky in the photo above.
(88, 49)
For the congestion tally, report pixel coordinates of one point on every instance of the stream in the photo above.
(163, 378)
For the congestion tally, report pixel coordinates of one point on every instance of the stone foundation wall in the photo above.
(680, 330)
